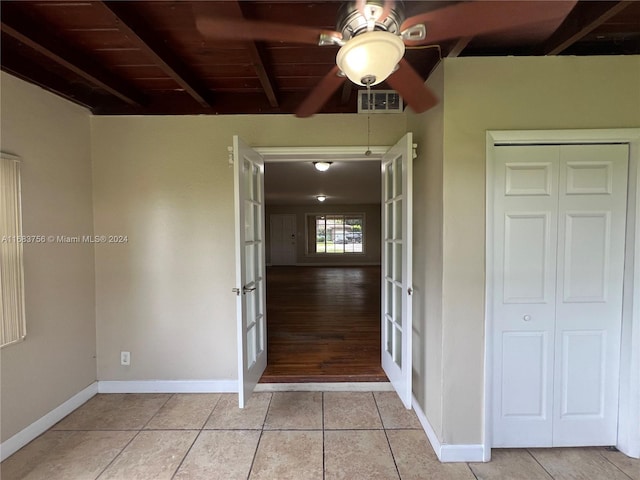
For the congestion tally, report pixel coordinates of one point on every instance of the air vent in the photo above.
(382, 101)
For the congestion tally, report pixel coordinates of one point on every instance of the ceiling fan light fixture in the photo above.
(369, 58)
(322, 166)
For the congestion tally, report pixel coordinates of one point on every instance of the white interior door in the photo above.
(591, 244)
(525, 239)
(282, 239)
(559, 229)
(250, 267)
(396, 266)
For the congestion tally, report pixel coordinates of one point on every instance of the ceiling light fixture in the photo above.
(322, 166)
(321, 198)
(370, 57)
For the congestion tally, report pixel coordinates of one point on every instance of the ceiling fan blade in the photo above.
(320, 94)
(473, 18)
(242, 29)
(412, 88)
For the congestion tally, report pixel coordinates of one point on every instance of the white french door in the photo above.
(250, 267)
(396, 266)
(396, 260)
(559, 236)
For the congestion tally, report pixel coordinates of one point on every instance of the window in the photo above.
(335, 234)
(12, 318)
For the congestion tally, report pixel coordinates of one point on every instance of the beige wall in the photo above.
(57, 359)
(372, 233)
(165, 182)
(506, 93)
(428, 129)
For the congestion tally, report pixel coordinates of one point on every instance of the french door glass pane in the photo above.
(250, 275)
(397, 170)
(248, 221)
(397, 302)
(396, 272)
(397, 346)
(390, 179)
(397, 220)
(251, 346)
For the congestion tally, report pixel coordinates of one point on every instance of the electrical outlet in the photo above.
(125, 358)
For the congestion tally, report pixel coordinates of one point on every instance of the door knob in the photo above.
(527, 318)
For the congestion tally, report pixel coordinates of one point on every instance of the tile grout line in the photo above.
(130, 441)
(323, 432)
(255, 453)
(538, 462)
(195, 439)
(158, 411)
(614, 464)
(212, 410)
(186, 454)
(471, 470)
(384, 429)
(119, 453)
(138, 431)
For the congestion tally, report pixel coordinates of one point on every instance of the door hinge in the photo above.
(230, 152)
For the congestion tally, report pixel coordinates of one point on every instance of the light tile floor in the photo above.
(279, 436)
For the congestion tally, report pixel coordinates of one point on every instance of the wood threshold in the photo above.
(275, 378)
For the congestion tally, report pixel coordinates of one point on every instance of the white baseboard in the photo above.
(325, 387)
(446, 452)
(20, 439)
(167, 386)
(462, 453)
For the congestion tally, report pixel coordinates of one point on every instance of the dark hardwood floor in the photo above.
(323, 324)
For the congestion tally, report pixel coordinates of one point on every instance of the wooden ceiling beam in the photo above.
(137, 30)
(227, 104)
(30, 33)
(582, 20)
(29, 71)
(257, 56)
(257, 59)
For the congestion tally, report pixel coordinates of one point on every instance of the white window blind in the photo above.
(12, 315)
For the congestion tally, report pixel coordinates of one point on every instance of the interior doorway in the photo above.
(394, 214)
(324, 300)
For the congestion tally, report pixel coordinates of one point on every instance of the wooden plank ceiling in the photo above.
(147, 57)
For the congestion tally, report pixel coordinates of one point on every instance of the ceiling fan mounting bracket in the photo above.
(352, 21)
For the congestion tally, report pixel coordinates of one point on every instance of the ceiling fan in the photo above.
(372, 35)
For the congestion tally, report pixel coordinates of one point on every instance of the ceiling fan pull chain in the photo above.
(370, 98)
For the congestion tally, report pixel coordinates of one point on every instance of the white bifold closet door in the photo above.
(559, 231)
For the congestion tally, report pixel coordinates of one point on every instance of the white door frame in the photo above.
(629, 405)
